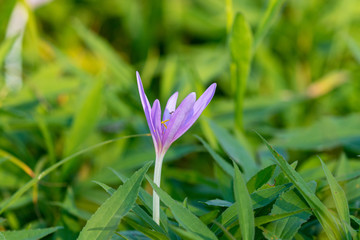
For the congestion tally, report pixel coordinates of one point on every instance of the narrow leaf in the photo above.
(340, 200)
(289, 202)
(117, 66)
(271, 218)
(83, 124)
(235, 150)
(148, 232)
(184, 216)
(218, 159)
(244, 206)
(260, 178)
(30, 234)
(241, 53)
(326, 219)
(85, 119)
(137, 209)
(271, 13)
(106, 219)
(5, 48)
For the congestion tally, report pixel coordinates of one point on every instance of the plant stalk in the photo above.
(157, 178)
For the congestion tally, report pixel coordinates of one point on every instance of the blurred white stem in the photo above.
(157, 179)
(13, 65)
(16, 27)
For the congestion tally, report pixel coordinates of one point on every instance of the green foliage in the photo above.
(288, 203)
(241, 53)
(340, 200)
(5, 48)
(30, 234)
(184, 217)
(327, 220)
(84, 123)
(104, 222)
(235, 150)
(271, 13)
(243, 206)
(76, 130)
(260, 178)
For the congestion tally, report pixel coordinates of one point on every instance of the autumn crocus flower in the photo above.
(174, 123)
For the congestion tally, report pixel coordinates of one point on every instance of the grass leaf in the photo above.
(218, 159)
(240, 44)
(184, 216)
(29, 234)
(288, 203)
(244, 206)
(260, 178)
(5, 204)
(137, 209)
(235, 150)
(5, 48)
(329, 222)
(267, 20)
(105, 220)
(340, 200)
(83, 124)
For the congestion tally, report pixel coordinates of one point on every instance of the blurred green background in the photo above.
(79, 88)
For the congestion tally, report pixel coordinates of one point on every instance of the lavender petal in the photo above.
(199, 107)
(156, 120)
(170, 106)
(177, 119)
(147, 108)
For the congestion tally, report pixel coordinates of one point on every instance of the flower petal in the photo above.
(156, 120)
(170, 106)
(147, 109)
(177, 119)
(199, 107)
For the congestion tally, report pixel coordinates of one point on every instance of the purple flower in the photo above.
(174, 123)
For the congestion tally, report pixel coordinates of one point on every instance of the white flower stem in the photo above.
(157, 178)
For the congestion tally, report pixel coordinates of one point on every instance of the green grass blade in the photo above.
(244, 206)
(83, 125)
(218, 159)
(329, 223)
(260, 178)
(355, 219)
(69, 206)
(271, 218)
(263, 197)
(137, 209)
(241, 53)
(259, 199)
(146, 199)
(107, 188)
(289, 202)
(29, 234)
(106, 219)
(340, 200)
(185, 234)
(6, 10)
(5, 48)
(272, 11)
(85, 119)
(32, 182)
(49, 143)
(353, 47)
(184, 216)
(148, 232)
(235, 150)
(122, 71)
